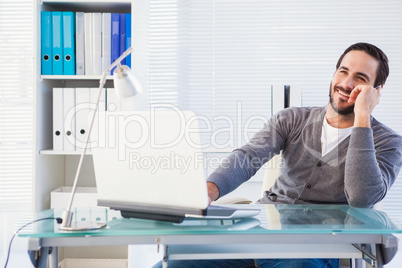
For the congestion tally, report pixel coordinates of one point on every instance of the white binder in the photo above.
(106, 40)
(102, 101)
(80, 44)
(113, 103)
(82, 111)
(58, 119)
(69, 118)
(97, 43)
(99, 120)
(88, 43)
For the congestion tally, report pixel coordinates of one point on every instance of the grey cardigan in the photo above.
(359, 172)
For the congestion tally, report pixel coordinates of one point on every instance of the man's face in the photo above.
(356, 68)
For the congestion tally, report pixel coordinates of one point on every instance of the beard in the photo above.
(342, 111)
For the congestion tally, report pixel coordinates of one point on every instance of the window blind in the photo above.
(16, 104)
(219, 58)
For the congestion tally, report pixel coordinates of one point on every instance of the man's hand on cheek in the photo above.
(365, 98)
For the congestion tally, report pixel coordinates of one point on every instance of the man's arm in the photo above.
(244, 162)
(231, 173)
(365, 98)
(371, 167)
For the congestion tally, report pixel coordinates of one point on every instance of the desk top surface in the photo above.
(273, 219)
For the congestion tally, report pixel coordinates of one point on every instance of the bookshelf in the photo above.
(56, 169)
(74, 77)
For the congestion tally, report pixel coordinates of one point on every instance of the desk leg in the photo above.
(54, 257)
(165, 257)
(387, 250)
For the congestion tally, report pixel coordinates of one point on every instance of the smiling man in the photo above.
(356, 72)
(336, 154)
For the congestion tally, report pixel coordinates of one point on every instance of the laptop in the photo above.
(150, 165)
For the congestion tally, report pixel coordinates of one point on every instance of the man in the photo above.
(338, 154)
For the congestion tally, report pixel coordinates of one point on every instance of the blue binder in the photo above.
(115, 35)
(57, 49)
(69, 42)
(128, 38)
(46, 42)
(122, 36)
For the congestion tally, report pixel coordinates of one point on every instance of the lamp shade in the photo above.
(126, 83)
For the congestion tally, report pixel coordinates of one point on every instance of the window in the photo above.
(219, 58)
(16, 120)
(16, 104)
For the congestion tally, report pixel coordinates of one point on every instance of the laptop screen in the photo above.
(150, 158)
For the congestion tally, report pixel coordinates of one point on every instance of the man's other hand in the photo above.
(213, 192)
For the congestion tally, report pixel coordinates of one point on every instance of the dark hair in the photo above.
(375, 52)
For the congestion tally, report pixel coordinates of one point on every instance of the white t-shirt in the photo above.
(332, 136)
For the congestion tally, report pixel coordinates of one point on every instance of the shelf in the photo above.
(69, 2)
(75, 77)
(119, 6)
(51, 152)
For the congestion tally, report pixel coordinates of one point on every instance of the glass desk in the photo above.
(279, 231)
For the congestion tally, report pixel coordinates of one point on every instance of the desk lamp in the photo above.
(127, 86)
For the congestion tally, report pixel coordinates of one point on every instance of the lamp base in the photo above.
(83, 226)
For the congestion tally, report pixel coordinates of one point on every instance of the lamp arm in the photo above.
(119, 59)
(67, 215)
